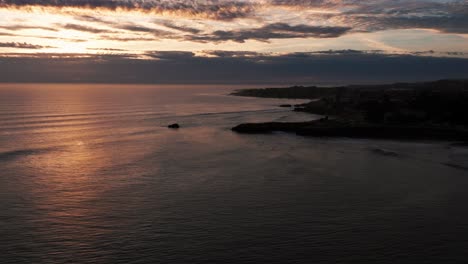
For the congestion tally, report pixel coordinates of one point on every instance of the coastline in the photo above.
(334, 128)
(380, 111)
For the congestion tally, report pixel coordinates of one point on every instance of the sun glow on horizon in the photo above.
(262, 26)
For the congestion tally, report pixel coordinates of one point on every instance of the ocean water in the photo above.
(91, 174)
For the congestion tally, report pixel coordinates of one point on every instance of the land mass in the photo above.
(428, 110)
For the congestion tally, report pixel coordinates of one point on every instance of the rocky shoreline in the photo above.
(333, 128)
(384, 111)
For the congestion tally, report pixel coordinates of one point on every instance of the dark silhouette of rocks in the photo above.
(285, 105)
(254, 128)
(431, 110)
(295, 92)
(385, 152)
(174, 126)
(336, 128)
(456, 166)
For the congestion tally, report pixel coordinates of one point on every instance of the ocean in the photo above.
(91, 174)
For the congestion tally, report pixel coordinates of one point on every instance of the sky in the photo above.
(233, 41)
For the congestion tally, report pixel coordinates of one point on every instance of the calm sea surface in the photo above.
(91, 174)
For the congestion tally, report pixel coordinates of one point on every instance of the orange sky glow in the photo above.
(137, 27)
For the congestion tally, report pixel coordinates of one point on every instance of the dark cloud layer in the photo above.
(445, 16)
(264, 33)
(22, 45)
(171, 25)
(452, 24)
(211, 9)
(271, 31)
(232, 68)
(24, 27)
(448, 16)
(143, 29)
(78, 27)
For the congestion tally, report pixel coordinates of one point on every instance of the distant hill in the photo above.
(313, 92)
(439, 102)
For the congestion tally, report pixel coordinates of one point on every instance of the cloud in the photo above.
(209, 9)
(129, 26)
(136, 28)
(118, 38)
(143, 29)
(7, 34)
(170, 55)
(264, 33)
(346, 52)
(271, 31)
(24, 45)
(106, 49)
(312, 3)
(278, 19)
(82, 28)
(187, 29)
(233, 54)
(447, 16)
(231, 67)
(24, 27)
(453, 24)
